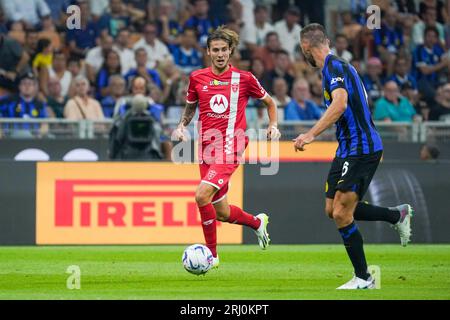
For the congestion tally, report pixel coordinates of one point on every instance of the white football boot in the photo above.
(263, 236)
(403, 226)
(216, 262)
(358, 283)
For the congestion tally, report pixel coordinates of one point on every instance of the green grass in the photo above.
(281, 272)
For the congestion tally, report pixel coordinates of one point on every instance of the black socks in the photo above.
(353, 242)
(368, 212)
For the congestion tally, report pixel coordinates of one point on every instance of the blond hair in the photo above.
(225, 34)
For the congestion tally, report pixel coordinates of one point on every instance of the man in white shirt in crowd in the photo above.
(288, 30)
(156, 50)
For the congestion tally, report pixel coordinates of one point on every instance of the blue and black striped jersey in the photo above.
(355, 130)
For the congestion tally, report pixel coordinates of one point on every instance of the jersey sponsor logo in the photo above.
(218, 103)
(218, 83)
(205, 88)
(337, 79)
(326, 94)
(235, 87)
(217, 116)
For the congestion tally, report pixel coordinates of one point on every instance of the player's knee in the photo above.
(221, 216)
(202, 198)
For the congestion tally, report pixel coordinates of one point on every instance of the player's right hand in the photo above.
(179, 133)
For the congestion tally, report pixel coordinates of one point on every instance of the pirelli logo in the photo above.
(122, 203)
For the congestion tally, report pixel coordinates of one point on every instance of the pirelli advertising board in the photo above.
(124, 203)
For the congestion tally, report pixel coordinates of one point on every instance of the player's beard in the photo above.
(310, 59)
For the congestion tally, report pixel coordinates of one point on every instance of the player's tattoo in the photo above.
(188, 114)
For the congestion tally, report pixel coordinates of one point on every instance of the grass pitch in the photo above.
(245, 272)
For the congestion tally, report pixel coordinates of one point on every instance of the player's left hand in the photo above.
(273, 133)
(302, 140)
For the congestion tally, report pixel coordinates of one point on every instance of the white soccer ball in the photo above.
(197, 259)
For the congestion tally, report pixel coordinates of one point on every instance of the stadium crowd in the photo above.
(128, 47)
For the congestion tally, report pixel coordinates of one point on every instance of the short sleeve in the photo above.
(192, 95)
(255, 90)
(381, 112)
(336, 78)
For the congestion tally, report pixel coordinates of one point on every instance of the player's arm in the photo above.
(333, 113)
(272, 130)
(186, 118)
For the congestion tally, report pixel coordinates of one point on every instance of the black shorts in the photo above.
(352, 174)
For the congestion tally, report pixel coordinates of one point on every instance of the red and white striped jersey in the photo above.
(222, 101)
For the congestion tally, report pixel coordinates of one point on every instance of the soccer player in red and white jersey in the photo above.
(222, 92)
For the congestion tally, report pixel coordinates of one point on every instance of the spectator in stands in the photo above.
(81, 106)
(429, 152)
(25, 104)
(30, 12)
(44, 56)
(373, 82)
(171, 76)
(121, 46)
(429, 21)
(406, 9)
(388, 40)
(340, 48)
(150, 75)
(280, 96)
(316, 90)
(13, 61)
(289, 29)
(56, 100)
(352, 30)
(111, 66)
(81, 40)
(393, 107)
(96, 57)
(156, 50)
(441, 107)
(438, 6)
(258, 70)
(185, 55)
(117, 86)
(48, 31)
(98, 8)
(201, 21)
(429, 61)
(168, 26)
(119, 17)
(412, 94)
(283, 69)
(31, 41)
(402, 72)
(58, 10)
(262, 24)
(59, 70)
(268, 52)
(301, 107)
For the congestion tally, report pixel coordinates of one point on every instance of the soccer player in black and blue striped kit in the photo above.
(357, 157)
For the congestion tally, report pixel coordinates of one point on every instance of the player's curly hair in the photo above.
(225, 34)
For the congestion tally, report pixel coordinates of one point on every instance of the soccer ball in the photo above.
(197, 259)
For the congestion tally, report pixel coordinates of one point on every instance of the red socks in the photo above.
(239, 216)
(208, 217)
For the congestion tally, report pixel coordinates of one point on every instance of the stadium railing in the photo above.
(63, 129)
